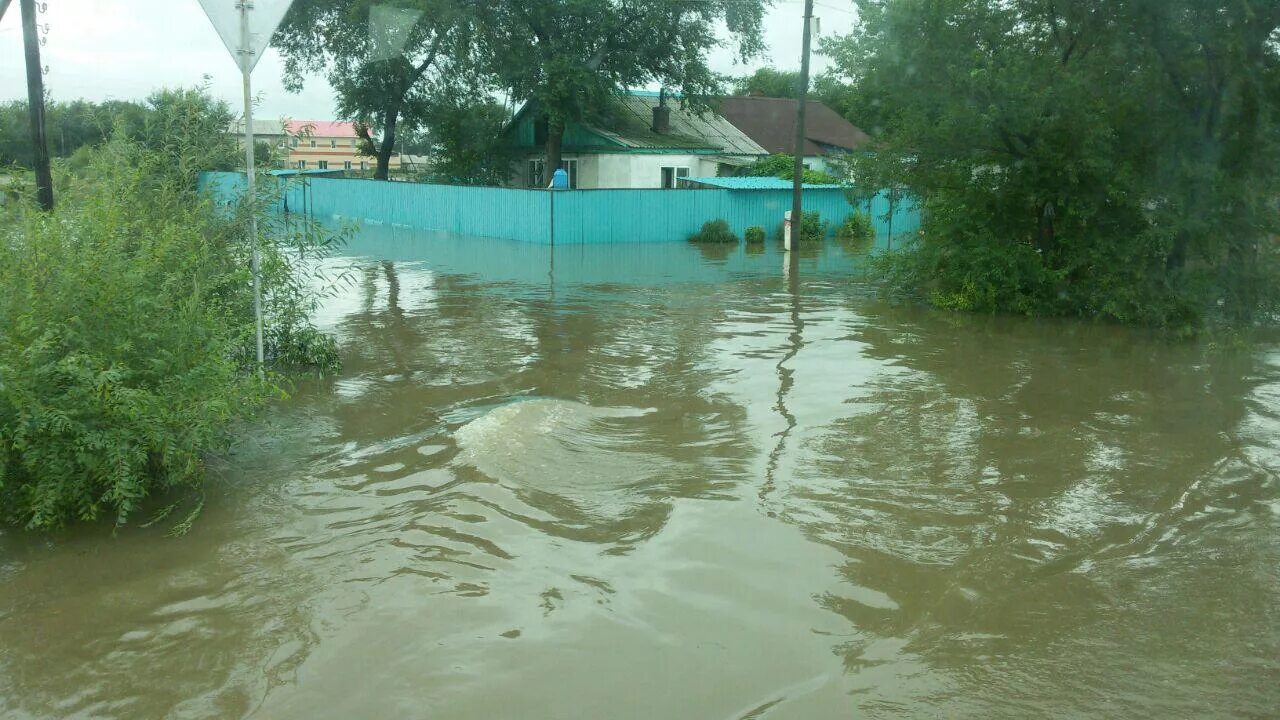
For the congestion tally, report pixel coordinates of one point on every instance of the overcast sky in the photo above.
(122, 50)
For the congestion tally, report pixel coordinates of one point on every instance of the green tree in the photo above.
(464, 145)
(570, 58)
(782, 165)
(769, 83)
(70, 126)
(388, 62)
(1100, 158)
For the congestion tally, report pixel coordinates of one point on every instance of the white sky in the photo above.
(98, 50)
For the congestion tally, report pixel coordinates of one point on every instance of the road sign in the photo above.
(246, 45)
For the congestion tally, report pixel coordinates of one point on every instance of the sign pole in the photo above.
(246, 48)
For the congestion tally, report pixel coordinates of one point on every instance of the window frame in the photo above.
(322, 164)
(675, 172)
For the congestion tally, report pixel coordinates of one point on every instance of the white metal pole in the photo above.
(250, 171)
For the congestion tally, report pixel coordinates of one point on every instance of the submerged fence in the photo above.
(565, 217)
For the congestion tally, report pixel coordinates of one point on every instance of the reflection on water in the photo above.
(641, 482)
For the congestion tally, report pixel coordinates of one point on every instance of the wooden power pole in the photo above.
(802, 99)
(35, 102)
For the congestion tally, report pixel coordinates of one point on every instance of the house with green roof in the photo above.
(642, 140)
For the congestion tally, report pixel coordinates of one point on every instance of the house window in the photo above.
(346, 164)
(539, 179)
(313, 143)
(302, 164)
(333, 143)
(323, 165)
(669, 175)
(571, 166)
(294, 142)
(364, 165)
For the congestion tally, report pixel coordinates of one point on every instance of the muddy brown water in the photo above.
(658, 482)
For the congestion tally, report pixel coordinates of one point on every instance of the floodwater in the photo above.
(664, 482)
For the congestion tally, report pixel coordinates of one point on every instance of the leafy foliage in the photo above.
(68, 125)
(754, 235)
(813, 229)
(465, 144)
(829, 88)
(570, 58)
(768, 82)
(126, 325)
(1110, 159)
(783, 166)
(391, 65)
(857, 233)
(714, 231)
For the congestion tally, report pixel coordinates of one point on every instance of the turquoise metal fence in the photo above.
(565, 217)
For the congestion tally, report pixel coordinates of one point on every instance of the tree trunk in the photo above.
(555, 139)
(387, 145)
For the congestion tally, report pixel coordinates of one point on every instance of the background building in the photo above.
(642, 140)
(315, 144)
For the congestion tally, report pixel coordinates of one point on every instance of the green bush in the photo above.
(754, 235)
(782, 165)
(857, 233)
(813, 229)
(126, 329)
(714, 231)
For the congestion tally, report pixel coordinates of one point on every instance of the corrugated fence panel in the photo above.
(633, 216)
(567, 217)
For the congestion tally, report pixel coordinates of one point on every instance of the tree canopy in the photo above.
(569, 58)
(1113, 158)
(389, 63)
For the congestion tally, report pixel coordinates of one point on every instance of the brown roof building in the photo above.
(771, 122)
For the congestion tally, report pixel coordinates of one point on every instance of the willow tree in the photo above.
(571, 57)
(389, 63)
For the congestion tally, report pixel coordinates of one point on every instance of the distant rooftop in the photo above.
(322, 128)
(772, 123)
(754, 183)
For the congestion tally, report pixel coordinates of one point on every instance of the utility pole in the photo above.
(802, 99)
(4, 5)
(247, 49)
(35, 104)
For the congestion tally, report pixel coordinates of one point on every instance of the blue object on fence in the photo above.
(559, 179)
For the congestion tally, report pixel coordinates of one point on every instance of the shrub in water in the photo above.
(125, 326)
(857, 233)
(812, 229)
(754, 235)
(714, 231)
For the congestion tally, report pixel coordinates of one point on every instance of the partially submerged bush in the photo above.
(754, 235)
(813, 229)
(857, 233)
(126, 333)
(714, 231)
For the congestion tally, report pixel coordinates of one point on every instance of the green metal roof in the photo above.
(628, 121)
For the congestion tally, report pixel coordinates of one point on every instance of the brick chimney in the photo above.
(661, 115)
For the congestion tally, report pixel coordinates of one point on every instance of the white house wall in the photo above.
(623, 170)
(645, 171)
